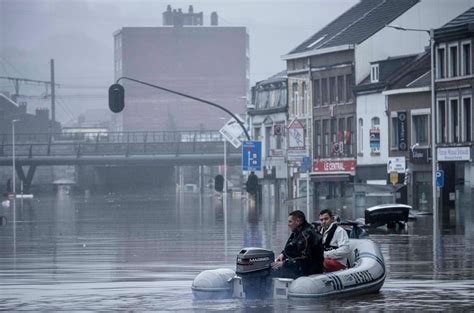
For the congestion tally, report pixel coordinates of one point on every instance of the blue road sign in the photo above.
(305, 165)
(252, 156)
(440, 178)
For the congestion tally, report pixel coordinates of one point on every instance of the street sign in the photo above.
(396, 164)
(232, 131)
(440, 178)
(252, 156)
(305, 165)
(394, 177)
(296, 150)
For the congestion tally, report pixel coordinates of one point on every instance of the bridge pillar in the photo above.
(126, 178)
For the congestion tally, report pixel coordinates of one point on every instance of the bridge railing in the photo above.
(115, 137)
(115, 143)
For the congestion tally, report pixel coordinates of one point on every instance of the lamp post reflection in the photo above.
(14, 190)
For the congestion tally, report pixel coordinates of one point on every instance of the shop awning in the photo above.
(331, 178)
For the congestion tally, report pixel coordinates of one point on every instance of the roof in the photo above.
(414, 74)
(388, 69)
(279, 77)
(7, 104)
(356, 24)
(459, 27)
(423, 81)
(464, 18)
(400, 72)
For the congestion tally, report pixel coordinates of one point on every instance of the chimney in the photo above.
(22, 107)
(42, 113)
(168, 16)
(214, 19)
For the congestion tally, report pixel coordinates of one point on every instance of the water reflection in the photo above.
(141, 252)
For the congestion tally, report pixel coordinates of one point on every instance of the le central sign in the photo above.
(335, 166)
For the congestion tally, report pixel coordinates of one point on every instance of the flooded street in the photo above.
(141, 252)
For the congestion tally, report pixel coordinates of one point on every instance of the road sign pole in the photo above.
(248, 159)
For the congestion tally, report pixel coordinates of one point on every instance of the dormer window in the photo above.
(374, 73)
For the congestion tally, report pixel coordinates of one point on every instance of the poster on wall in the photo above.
(374, 141)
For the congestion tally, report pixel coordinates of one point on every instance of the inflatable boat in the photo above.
(252, 278)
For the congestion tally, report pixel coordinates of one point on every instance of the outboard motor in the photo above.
(254, 268)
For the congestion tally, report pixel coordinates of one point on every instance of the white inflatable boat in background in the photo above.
(366, 275)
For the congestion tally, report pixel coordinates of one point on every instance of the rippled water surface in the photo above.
(141, 252)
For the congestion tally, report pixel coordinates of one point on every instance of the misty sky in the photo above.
(78, 34)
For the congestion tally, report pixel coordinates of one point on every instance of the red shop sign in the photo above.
(331, 166)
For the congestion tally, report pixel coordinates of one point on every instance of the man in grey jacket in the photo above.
(335, 242)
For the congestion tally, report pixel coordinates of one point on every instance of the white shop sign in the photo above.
(454, 154)
(396, 164)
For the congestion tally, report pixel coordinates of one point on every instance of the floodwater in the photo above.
(141, 252)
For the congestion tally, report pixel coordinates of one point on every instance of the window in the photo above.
(332, 90)
(279, 138)
(467, 118)
(440, 63)
(340, 129)
(394, 131)
(442, 131)
(325, 138)
(317, 93)
(453, 61)
(333, 134)
(273, 98)
(454, 120)
(360, 136)
(374, 73)
(268, 131)
(466, 59)
(375, 122)
(324, 90)
(295, 97)
(282, 101)
(349, 136)
(349, 88)
(317, 139)
(340, 89)
(420, 130)
(257, 133)
(305, 99)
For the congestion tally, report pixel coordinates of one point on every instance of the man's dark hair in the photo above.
(298, 214)
(329, 212)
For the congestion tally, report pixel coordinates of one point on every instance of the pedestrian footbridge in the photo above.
(158, 148)
(113, 148)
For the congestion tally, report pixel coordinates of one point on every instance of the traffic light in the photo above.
(116, 98)
(219, 183)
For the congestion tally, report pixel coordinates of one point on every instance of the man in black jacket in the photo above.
(303, 254)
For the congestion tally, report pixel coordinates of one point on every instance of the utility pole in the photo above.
(53, 95)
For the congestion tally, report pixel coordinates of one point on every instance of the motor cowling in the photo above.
(253, 265)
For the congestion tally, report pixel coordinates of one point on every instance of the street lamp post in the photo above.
(308, 120)
(13, 160)
(434, 157)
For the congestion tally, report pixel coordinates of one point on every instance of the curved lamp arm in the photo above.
(187, 96)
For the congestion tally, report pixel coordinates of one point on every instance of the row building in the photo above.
(359, 99)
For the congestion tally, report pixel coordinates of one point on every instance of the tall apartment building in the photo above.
(208, 62)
